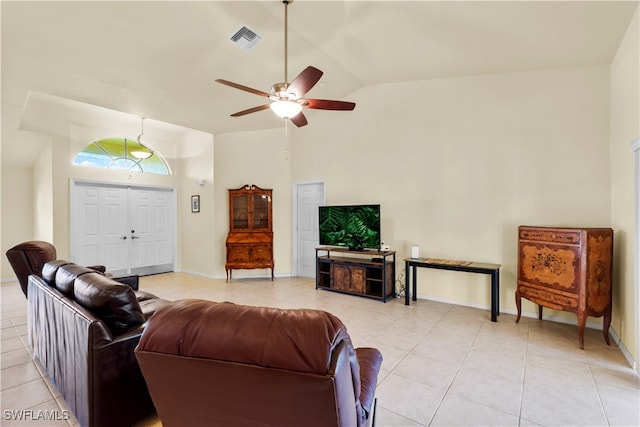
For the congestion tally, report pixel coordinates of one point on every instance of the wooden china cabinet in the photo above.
(250, 238)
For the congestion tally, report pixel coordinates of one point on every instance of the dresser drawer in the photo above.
(550, 235)
(549, 298)
(550, 266)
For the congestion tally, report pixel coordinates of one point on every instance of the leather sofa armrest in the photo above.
(370, 360)
(120, 394)
(133, 334)
(98, 268)
(133, 281)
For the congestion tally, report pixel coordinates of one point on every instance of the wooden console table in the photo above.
(492, 270)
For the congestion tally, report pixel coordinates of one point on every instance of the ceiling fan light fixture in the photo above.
(146, 152)
(141, 154)
(285, 109)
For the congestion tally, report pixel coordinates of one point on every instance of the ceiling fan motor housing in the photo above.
(280, 90)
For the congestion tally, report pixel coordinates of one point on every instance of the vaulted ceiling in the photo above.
(159, 59)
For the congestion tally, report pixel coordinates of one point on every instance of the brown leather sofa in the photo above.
(83, 327)
(222, 364)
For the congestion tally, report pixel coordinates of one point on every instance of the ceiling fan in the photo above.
(287, 98)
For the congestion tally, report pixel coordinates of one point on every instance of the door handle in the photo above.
(124, 237)
(134, 237)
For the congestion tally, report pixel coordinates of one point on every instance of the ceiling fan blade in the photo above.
(304, 82)
(250, 110)
(299, 119)
(244, 88)
(328, 104)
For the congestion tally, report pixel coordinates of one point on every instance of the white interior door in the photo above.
(127, 229)
(308, 197)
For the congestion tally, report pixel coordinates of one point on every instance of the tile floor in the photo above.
(444, 365)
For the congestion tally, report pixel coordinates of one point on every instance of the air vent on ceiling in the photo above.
(245, 38)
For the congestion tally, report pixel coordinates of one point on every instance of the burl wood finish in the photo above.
(568, 269)
(250, 239)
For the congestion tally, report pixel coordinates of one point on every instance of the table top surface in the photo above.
(451, 264)
(353, 251)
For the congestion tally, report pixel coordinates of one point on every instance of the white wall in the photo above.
(43, 195)
(17, 210)
(18, 220)
(260, 158)
(198, 248)
(457, 164)
(39, 193)
(625, 126)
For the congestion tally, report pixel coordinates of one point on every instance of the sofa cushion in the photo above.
(114, 303)
(50, 269)
(66, 276)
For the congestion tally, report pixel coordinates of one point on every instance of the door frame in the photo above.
(174, 209)
(294, 219)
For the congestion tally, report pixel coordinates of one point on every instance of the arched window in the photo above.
(123, 154)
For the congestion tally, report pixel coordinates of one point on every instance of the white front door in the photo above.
(308, 197)
(150, 230)
(98, 226)
(127, 229)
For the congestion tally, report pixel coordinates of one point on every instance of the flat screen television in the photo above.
(356, 227)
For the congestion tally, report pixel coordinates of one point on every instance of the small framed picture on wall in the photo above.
(195, 203)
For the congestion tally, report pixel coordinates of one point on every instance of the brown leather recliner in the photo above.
(222, 364)
(29, 258)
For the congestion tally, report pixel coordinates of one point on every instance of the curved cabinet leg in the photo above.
(518, 306)
(605, 327)
(582, 320)
(539, 312)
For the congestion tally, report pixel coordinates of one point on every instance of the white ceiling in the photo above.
(159, 59)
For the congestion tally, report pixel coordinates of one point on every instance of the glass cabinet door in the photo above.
(260, 211)
(240, 211)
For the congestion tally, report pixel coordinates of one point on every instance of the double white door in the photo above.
(130, 230)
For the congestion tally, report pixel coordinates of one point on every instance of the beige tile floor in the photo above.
(444, 365)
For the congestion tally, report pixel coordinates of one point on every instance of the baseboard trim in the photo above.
(235, 275)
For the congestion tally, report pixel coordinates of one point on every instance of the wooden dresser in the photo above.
(567, 269)
(250, 238)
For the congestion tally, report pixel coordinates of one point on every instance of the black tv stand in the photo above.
(366, 273)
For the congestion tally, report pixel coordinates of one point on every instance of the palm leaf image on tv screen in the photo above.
(356, 227)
